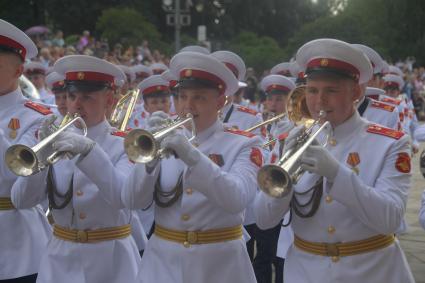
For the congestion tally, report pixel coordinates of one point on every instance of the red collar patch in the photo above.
(240, 132)
(246, 110)
(380, 105)
(376, 129)
(38, 107)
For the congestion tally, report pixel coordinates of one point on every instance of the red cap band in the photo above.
(89, 76)
(285, 73)
(58, 84)
(155, 88)
(35, 71)
(277, 87)
(334, 64)
(142, 75)
(173, 83)
(8, 42)
(391, 84)
(189, 73)
(232, 68)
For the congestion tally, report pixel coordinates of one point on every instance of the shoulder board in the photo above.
(381, 105)
(38, 107)
(240, 132)
(376, 129)
(283, 136)
(391, 100)
(119, 134)
(246, 110)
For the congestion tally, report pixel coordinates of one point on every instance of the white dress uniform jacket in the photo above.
(383, 114)
(243, 118)
(213, 197)
(25, 232)
(46, 96)
(422, 211)
(96, 204)
(138, 118)
(354, 207)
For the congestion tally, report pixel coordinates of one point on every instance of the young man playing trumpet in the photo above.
(346, 209)
(25, 232)
(91, 239)
(201, 193)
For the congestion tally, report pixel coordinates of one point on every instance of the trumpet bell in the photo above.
(274, 181)
(21, 160)
(141, 146)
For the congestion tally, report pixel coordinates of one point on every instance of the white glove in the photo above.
(291, 140)
(73, 143)
(182, 147)
(47, 127)
(156, 120)
(317, 159)
(282, 126)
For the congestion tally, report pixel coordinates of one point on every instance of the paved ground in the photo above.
(413, 242)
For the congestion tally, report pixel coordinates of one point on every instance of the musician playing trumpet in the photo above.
(91, 239)
(200, 192)
(347, 206)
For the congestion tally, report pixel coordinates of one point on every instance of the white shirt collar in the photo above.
(347, 128)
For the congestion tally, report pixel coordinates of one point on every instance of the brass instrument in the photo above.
(24, 160)
(123, 110)
(143, 146)
(296, 110)
(277, 180)
(269, 121)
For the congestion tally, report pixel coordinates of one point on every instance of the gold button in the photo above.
(185, 217)
(335, 258)
(189, 191)
(332, 142)
(328, 199)
(79, 193)
(186, 244)
(82, 215)
(331, 229)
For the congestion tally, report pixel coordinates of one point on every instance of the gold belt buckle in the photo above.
(332, 249)
(192, 237)
(82, 236)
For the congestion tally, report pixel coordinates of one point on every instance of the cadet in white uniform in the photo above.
(56, 84)
(233, 115)
(277, 89)
(357, 185)
(25, 232)
(36, 73)
(372, 110)
(92, 233)
(142, 72)
(200, 198)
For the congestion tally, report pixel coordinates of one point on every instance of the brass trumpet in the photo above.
(269, 121)
(143, 146)
(23, 160)
(123, 110)
(277, 180)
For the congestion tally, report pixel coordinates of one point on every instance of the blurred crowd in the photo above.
(53, 46)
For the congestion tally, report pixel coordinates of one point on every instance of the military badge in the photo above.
(14, 125)
(256, 157)
(402, 163)
(353, 160)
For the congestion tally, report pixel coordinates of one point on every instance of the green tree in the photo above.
(128, 27)
(261, 53)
